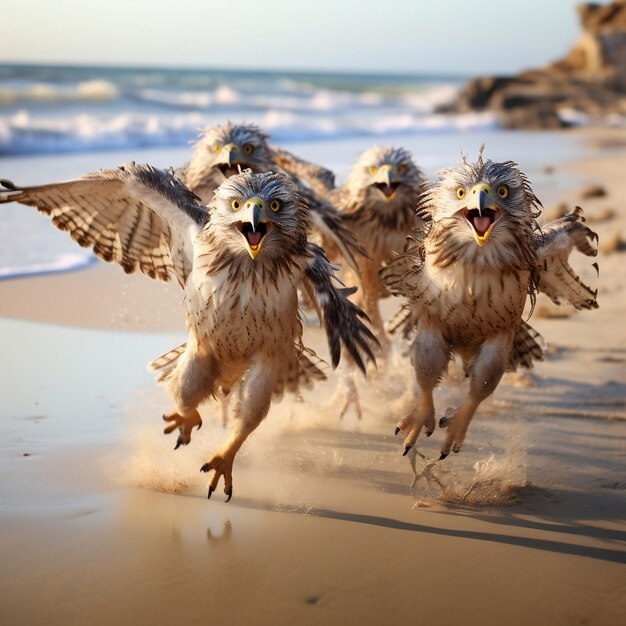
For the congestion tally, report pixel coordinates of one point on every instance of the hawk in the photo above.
(377, 203)
(467, 277)
(224, 150)
(240, 261)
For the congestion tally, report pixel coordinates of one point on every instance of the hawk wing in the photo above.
(318, 177)
(136, 216)
(329, 223)
(553, 244)
(341, 318)
(314, 184)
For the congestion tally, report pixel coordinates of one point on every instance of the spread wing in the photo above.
(342, 318)
(136, 216)
(553, 245)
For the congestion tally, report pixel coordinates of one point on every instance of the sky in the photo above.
(457, 37)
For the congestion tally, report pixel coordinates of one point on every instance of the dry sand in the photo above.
(102, 522)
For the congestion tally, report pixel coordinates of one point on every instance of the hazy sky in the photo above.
(436, 36)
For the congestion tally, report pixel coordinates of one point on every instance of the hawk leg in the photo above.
(430, 354)
(255, 396)
(486, 370)
(184, 423)
(348, 394)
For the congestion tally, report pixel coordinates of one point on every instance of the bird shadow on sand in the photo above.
(558, 546)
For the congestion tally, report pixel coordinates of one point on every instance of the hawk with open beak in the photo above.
(467, 278)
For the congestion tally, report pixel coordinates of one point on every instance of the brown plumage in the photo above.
(378, 204)
(240, 262)
(224, 150)
(467, 277)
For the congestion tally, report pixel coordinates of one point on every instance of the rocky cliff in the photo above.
(591, 79)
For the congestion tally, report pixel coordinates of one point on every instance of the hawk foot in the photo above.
(412, 425)
(221, 465)
(457, 423)
(184, 423)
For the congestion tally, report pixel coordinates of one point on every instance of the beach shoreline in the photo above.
(103, 521)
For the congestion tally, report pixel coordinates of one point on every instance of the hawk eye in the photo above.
(401, 169)
(235, 204)
(460, 193)
(275, 205)
(248, 148)
(503, 191)
(373, 169)
(217, 147)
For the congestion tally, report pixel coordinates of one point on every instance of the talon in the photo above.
(443, 456)
(229, 493)
(205, 468)
(199, 425)
(397, 430)
(406, 450)
(210, 493)
(429, 433)
(178, 444)
(443, 422)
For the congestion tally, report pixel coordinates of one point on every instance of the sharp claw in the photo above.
(406, 450)
(205, 468)
(199, 426)
(429, 433)
(397, 430)
(229, 493)
(210, 493)
(443, 456)
(178, 444)
(443, 422)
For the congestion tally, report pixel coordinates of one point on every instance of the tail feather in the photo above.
(165, 364)
(403, 319)
(528, 346)
(311, 367)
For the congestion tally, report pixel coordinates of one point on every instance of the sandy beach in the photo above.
(103, 522)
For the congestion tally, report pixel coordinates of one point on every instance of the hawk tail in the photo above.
(528, 346)
(165, 364)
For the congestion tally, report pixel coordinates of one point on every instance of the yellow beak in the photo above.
(253, 225)
(480, 198)
(228, 149)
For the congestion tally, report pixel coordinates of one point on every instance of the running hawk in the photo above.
(240, 262)
(467, 279)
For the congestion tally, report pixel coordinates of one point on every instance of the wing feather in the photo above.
(553, 245)
(342, 318)
(136, 216)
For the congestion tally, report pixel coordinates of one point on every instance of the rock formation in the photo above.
(591, 79)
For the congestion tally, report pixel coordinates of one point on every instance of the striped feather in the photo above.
(136, 216)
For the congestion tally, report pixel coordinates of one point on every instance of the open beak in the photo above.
(383, 181)
(481, 212)
(253, 225)
(231, 164)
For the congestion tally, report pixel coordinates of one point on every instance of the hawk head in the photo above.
(483, 210)
(227, 149)
(385, 176)
(260, 215)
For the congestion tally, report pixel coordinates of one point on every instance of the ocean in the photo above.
(58, 122)
(81, 109)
